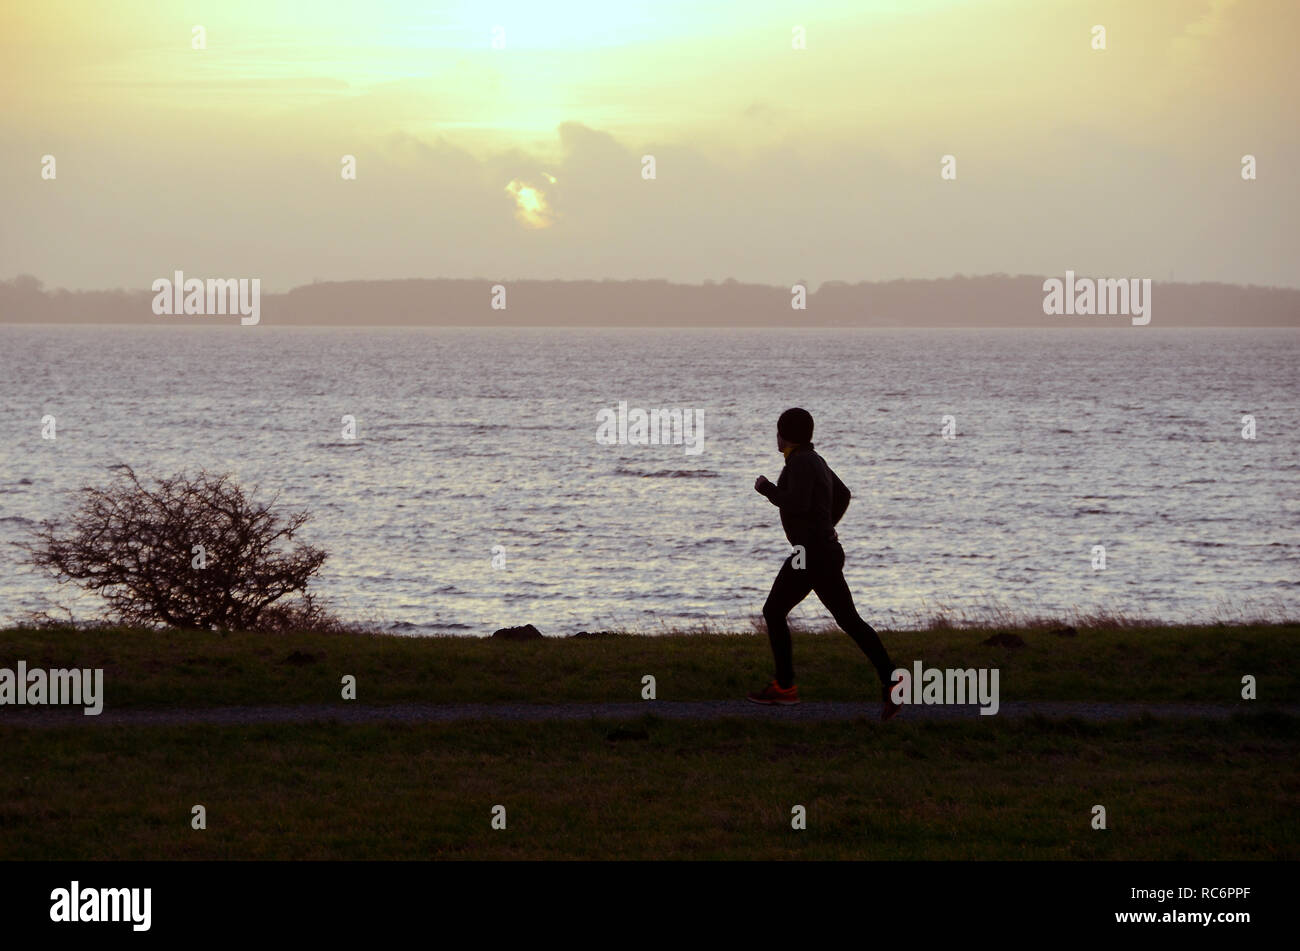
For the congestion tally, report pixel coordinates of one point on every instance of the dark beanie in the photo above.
(795, 425)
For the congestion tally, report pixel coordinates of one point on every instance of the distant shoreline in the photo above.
(984, 301)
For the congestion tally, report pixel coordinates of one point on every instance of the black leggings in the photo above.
(824, 574)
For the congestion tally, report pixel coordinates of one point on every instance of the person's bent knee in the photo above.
(852, 624)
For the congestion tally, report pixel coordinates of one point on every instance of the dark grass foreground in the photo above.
(992, 788)
(656, 790)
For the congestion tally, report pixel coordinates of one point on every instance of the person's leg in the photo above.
(790, 587)
(833, 590)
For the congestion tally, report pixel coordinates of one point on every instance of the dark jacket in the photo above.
(811, 497)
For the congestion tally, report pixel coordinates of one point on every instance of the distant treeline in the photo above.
(996, 300)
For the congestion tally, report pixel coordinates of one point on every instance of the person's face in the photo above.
(781, 444)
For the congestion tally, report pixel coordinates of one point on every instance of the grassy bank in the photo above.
(993, 788)
(656, 790)
(1141, 663)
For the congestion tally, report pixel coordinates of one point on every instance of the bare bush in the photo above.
(135, 545)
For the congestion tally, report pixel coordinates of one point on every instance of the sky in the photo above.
(506, 140)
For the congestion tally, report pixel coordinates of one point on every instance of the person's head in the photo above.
(794, 428)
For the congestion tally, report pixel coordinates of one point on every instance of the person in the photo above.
(812, 500)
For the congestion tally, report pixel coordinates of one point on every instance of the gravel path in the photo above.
(344, 712)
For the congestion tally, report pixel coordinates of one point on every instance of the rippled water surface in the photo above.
(469, 439)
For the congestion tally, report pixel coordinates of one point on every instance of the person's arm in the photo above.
(840, 496)
(796, 497)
